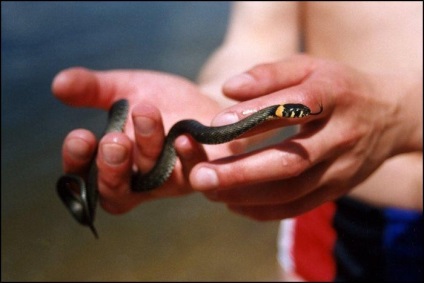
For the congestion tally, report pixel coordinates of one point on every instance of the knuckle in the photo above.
(261, 71)
(292, 165)
(150, 150)
(234, 175)
(347, 140)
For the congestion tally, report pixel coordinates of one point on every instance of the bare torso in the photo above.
(369, 36)
(374, 38)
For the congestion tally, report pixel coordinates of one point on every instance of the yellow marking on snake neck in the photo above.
(280, 111)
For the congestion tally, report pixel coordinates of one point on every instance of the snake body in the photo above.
(80, 195)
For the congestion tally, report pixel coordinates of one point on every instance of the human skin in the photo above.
(370, 96)
(119, 152)
(360, 128)
(381, 39)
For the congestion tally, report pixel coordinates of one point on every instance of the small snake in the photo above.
(80, 195)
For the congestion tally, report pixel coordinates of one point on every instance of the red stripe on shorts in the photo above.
(314, 239)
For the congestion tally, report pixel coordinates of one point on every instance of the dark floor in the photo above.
(174, 239)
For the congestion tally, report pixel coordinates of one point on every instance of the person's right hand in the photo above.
(366, 119)
(141, 143)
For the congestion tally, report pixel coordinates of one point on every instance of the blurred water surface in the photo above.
(185, 238)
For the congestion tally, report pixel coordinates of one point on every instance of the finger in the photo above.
(272, 193)
(190, 153)
(77, 151)
(316, 98)
(288, 210)
(114, 163)
(79, 86)
(286, 160)
(149, 135)
(269, 77)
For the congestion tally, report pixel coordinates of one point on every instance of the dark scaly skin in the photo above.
(202, 134)
(81, 196)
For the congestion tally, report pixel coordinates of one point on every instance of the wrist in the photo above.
(409, 114)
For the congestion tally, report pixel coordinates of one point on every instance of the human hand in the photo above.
(144, 133)
(363, 123)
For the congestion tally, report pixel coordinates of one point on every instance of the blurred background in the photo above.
(180, 239)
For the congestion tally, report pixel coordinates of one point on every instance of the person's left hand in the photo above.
(157, 100)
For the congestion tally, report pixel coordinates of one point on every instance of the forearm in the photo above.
(258, 32)
(413, 110)
(407, 90)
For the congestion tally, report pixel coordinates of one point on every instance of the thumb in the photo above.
(269, 77)
(78, 86)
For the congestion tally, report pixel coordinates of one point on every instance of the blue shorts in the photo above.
(348, 240)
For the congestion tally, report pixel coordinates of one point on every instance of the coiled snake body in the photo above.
(81, 196)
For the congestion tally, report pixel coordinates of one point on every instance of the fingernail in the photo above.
(239, 81)
(144, 126)
(114, 154)
(61, 79)
(206, 179)
(78, 148)
(225, 119)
